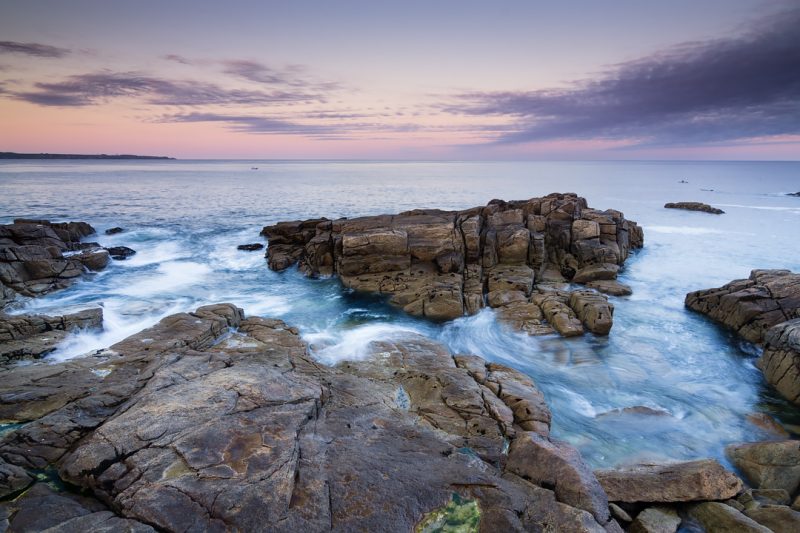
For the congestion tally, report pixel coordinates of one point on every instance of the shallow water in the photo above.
(185, 219)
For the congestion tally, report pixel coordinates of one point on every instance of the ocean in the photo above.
(185, 219)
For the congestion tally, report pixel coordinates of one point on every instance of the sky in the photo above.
(567, 80)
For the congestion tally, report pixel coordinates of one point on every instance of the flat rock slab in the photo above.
(670, 483)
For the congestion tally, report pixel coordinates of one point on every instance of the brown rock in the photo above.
(780, 360)
(778, 518)
(668, 483)
(656, 520)
(34, 336)
(718, 517)
(593, 310)
(768, 465)
(612, 287)
(694, 206)
(603, 271)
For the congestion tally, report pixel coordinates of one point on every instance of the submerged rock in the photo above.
(444, 264)
(694, 206)
(669, 483)
(120, 253)
(765, 308)
(34, 336)
(33, 260)
(250, 247)
(114, 230)
(210, 421)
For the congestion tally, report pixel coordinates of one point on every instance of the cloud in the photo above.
(701, 92)
(32, 49)
(255, 124)
(101, 87)
(177, 59)
(292, 76)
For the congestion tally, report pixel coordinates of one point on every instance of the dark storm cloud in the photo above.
(100, 87)
(711, 91)
(32, 49)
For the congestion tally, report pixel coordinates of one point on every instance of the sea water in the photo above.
(185, 219)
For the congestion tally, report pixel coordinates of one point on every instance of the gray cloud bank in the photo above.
(32, 49)
(701, 92)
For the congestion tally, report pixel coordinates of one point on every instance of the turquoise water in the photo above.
(185, 219)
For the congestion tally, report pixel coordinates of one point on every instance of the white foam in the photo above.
(684, 230)
(762, 207)
(168, 278)
(353, 344)
(149, 254)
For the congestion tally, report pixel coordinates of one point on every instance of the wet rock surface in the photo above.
(120, 253)
(765, 308)
(250, 247)
(444, 264)
(38, 256)
(212, 421)
(694, 206)
(34, 336)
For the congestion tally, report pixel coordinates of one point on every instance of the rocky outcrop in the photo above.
(37, 256)
(765, 308)
(34, 336)
(114, 230)
(210, 421)
(694, 206)
(670, 483)
(120, 253)
(444, 264)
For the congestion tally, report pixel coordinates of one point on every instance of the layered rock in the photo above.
(38, 256)
(210, 421)
(765, 308)
(694, 206)
(444, 264)
(34, 336)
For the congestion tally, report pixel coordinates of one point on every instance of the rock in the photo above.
(778, 518)
(771, 496)
(669, 483)
(612, 287)
(602, 271)
(768, 465)
(751, 306)
(33, 260)
(656, 520)
(558, 314)
(554, 464)
(443, 264)
(114, 230)
(718, 517)
(619, 513)
(793, 194)
(120, 253)
(780, 360)
(250, 247)
(12, 479)
(34, 336)
(593, 310)
(189, 425)
(768, 424)
(694, 206)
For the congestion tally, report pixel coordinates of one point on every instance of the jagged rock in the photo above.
(34, 336)
(32, 260)
(120, 253)
(667, 483)
(778, 518)
(559, 315)
(751, 306)
(192, 426)
(114, 230)
(768, 465)
(250, 247)
(718, 517)
(694, 206)
(612, 287)
(780, 360)
(656, 520)
(593, 310)
(443, 264)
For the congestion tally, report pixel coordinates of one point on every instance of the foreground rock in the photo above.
(34, 336)
(769, 465)
(444, 264)
(37, 256)
(670, 483)
(765, 308)
(188, 426)
(694, 206)
(715, 516)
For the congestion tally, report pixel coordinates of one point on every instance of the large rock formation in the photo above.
(192, 425)
(34, 336)
(37, 256)
(765, 308)
(694, 206)
(444, 264)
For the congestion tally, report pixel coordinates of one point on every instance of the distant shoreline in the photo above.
(14, 155)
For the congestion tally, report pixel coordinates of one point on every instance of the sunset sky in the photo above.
(626, 79)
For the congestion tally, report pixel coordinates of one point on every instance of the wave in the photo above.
(331, 347)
